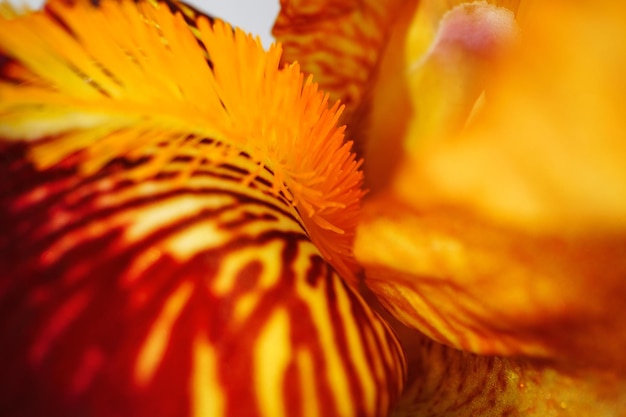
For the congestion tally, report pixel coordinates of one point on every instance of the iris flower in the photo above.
(493, 137)
(189, 231)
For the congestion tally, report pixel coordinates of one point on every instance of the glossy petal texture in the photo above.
(163, 247)
(506, 235)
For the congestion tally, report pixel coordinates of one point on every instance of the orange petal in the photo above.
(338, 41)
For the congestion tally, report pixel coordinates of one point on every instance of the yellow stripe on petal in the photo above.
(155, 344)
(207, 398)
(272, 356)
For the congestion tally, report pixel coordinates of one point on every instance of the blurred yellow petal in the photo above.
(508, 235)
(430, 76)
(547, 152)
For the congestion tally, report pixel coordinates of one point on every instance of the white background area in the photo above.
(254, 16)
